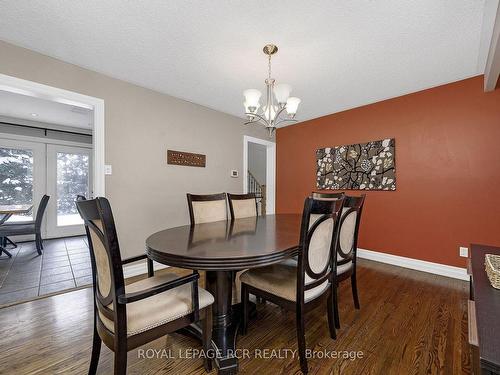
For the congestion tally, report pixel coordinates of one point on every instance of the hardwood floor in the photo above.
(409, 323)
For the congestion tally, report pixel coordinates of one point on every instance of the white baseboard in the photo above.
(140, 268)
(415, 264)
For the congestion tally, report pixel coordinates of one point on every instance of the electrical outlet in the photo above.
(108, 169)
(464, 251)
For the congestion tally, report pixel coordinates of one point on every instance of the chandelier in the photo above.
(279, 106)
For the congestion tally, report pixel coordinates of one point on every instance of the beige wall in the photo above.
(147, 194)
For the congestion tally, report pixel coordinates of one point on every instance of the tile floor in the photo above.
(64, 264)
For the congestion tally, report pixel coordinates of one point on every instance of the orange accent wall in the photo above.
(447, 169)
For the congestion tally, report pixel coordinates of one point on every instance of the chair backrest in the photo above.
(242, 205)
(317, 245)
(41, 211)
(347, 242)
(105, 256)
(319, 196)
(207, 208)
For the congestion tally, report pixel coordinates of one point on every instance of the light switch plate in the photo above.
(464, 251)
(234, 173)
(108, 170)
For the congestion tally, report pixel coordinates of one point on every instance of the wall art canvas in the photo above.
(364, 166)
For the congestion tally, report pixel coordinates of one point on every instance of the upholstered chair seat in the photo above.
(159, 309)
(280, 280)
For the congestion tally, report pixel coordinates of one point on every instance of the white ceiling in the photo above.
(336, 54)
(22, 107)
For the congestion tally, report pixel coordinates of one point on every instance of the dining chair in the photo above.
(299, 288)
(242, 205)
(207, 208)
(30, 227)
(346, 249)
(128, 316)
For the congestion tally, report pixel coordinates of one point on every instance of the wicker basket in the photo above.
(492, 264)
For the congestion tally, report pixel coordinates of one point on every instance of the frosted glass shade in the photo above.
(291, 105)
(282, 92)
(252, 97)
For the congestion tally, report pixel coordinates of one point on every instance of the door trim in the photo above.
(34, 89)
(270, 170)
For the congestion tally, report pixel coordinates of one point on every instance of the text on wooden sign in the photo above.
(185, 158)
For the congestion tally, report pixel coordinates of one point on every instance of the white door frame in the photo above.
(38, 90)
(270, 170)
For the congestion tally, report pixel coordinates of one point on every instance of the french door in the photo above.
(69, 173)
(28, 170)
(22, 175)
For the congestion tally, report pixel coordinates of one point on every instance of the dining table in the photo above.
(220, 249)
(6, 211)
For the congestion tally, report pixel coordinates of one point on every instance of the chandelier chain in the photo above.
(269, 66)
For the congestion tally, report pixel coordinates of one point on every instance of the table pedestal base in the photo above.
(226, 320)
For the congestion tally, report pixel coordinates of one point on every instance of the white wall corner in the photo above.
(415, 264)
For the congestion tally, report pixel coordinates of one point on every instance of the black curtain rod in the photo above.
(45, 129)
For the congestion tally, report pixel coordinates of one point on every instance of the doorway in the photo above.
(51, 142)
(259, 169)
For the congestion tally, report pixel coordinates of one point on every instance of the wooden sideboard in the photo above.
(484, 313)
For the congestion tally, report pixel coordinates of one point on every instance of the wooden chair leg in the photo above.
(354, 286)
(244, 304)
(301, 340)
(120, 362)
(331, 316)
(336, 306)
(206, 326)
(96, 351)
(151, 271)
(38, 243)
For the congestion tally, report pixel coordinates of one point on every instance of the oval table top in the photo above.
(227, 245)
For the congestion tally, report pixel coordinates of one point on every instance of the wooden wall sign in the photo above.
(187, 159)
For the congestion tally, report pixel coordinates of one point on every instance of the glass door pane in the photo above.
(16, 179)
(69, 173)
(72, 180)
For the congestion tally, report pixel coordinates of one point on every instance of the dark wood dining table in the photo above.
(220, 248)
(6, 211)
